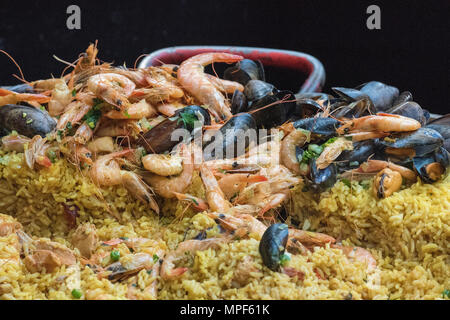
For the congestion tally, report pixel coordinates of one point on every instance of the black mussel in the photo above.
(427, 115)
(349, 94)
(362, 150)
(442, 125)
(357, 109)
(314, 96)
(403, 97)
(382, 95)
(232, 139)
(161, 138)
(273, 110)
(322, 178)
(320, 126)
(443, 120)
(429, 168)
(306, 108)
(20, 88)
(244, 71)
(27, 121)
(257, 89)
(273, 245)
(409, 109)
(442, 156)
(238, 102)
(422, 141)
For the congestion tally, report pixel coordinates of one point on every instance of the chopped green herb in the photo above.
(69, 125)
(149, 271)
(127, 114)
(52, 155)
(284, 259)
(124, 238)
(187, 119)
(446, 293)
(194, 201)
(24, 114)
(42, 108)
(314, 148)
(29, 121)
(76, 293)
(74, 92)
(347, 182)
(115, 255)
(92, 117)
(155, 258)
(330, 141)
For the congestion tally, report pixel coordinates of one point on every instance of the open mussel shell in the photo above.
(238, 102)
(256, 89)
(362, 150)
(161, 139)
(403, 97)
(409, 109)
(320, 126)
(306, 108)
(423, 141)
(27, 121)
(273, 245)
(382, 95)
(232, 139)
(322, 178)
(273, 110)
(357, 109)
(244, 71)
(442, 125)
(431, 167)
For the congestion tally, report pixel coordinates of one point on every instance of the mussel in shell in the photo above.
(27, 121)
(258, 89)
(273, 245)
(409, 109)
(238, 102)
(161, 139)
(322, 178)
(244, 71)
(320, 126)
(420, 142)
(431, 167)
(273, 110)
(442, 125)
(232, 139)
(381, 95)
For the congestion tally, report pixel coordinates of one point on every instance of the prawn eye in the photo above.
(119, 102)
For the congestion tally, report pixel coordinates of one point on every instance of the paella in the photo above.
(168, 182)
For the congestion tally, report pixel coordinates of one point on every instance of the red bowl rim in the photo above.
(276, 57)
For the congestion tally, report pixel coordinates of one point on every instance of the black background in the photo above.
(410, 51)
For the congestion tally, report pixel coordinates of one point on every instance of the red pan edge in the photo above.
(299, 61)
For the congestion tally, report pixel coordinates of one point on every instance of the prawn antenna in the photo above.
(139, 58)
(18, 67)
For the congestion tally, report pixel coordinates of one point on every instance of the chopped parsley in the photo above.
(284, 259)
(188, 119)
(52, 155)
(24, 114)
(127, 114)
(74, 92)
(29, 121)
(155, 258)
(92, 117)
(446, 293)
(149, 272)
(347, 182)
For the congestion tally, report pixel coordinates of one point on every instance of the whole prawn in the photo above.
(193, 79)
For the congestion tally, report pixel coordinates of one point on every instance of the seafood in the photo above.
(113, 88)
(166, 186)
(386, 183)
(163, 165)
(214, 194)
(27, 121)
(191, 77)
(61, 97)
(244, 71)
(381, 122)
(106, 172)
